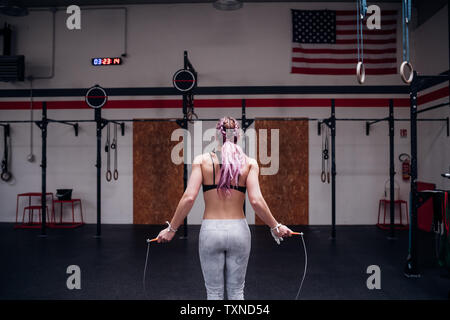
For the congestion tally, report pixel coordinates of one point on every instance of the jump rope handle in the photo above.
(152, 240)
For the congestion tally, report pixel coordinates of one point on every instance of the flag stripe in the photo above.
(353, 22)
(321, 49)
(343, 46)
(366, 32)
(344, 65)
(353, 12)
(346, 71)
(344, 51)
(346, 61)
(367, 41)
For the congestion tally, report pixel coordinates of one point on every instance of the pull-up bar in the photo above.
(74, 125)
(434, 107)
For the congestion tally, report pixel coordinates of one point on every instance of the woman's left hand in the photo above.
(279, 233)
(165, 235)
(284, 231)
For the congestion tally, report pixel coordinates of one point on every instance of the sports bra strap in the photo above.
(214, 169)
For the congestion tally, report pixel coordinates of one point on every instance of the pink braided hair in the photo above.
(233, 157)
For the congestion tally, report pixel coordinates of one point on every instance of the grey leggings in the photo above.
(224, 245)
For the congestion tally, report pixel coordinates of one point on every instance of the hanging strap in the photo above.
(406, 18)
(327, 155)
(361, 11)
(325, 175)
(116, 172)
(5, 173)
(406, 64)
(108, 153)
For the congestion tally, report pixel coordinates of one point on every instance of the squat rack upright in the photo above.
(419, 83)
(331, 123)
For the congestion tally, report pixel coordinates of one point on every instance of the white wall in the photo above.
(431, 47)
(248, 47)
(430, 44)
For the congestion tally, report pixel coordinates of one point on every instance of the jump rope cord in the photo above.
(145, 266)
(304, 271)
(299, 289)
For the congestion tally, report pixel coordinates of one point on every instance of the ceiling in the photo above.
(426, 8)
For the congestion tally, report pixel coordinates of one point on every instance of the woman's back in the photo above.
(219, 206)
(224, 239)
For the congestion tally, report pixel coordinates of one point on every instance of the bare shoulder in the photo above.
(252, 162)
(199, 159)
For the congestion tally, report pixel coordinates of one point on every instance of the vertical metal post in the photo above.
(99, 127)
(43, 127)
(391, 170)
(333, 169)
(411, 269)
(447, 122)
(7, 40)
(185, 127)
(244, 128)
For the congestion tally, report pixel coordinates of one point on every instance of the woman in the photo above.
(224, 240)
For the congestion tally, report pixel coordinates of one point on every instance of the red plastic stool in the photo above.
(74, 223)
(30, 210)
(385, 226)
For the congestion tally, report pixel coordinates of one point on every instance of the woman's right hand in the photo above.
(165, 235)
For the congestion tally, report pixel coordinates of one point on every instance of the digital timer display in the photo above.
(106, 61)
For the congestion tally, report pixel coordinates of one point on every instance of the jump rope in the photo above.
(149, 241)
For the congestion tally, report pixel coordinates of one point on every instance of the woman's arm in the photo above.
(186, 202)
(258, 203)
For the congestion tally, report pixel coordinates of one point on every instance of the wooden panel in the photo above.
(157, 181)
(286, 192)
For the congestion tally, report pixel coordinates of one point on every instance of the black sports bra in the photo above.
(207, 187)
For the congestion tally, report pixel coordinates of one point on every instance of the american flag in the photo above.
(325, 42)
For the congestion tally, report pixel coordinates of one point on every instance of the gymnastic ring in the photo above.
(360, 72)
(189, 116)
(402, 72)
(108, 175)
(6, 176)
(116, 174)
(323, 177)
